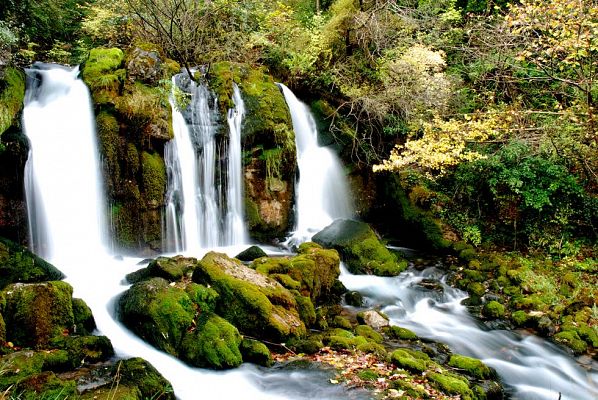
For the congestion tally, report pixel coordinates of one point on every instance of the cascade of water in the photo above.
(322, 193)
(204, 199)
(65, 185)
(531, 367)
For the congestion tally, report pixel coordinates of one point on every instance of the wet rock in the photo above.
(84, 321)
(373, 319)
(431, 285)
(255, 303)
(171, 268)
(354, 298)
(144, 66)
(255, 352)
(251, 253)
(360, 248)
(139, 373)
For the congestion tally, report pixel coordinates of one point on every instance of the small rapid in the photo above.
(532, 368)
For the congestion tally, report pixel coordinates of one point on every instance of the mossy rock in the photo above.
(256, 304)
(306, 346)
(354, 298)
(45, 385)
(493, 310)
(213, 344)
(251, 253)
(139, 373)
(397, 332)
(21, 364)
(158, 313)
(12, 93)
(84, 349)
(84, 321)
(36, 312)
(103, 73)
(572, 340)
(360, 248)
(472, 366)
(341, 322)
(369, 333)
(520, 318)
(452, 385)
(407, 360)
(17, 264)
(204, 297)
(171, 268)
(153, 178)
(316, 270)
(306, 309)
(255, 352)
(373, 348)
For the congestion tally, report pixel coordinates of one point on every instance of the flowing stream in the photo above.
(65, 193)
(322, 193)
(531, 367)
(66, 207)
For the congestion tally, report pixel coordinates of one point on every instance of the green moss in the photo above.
(265, 310)
(368, 375)
(397, 332)
(45, 385)
(493, 309)
(374, 348)
(139, 373)
(108, 138)
(369, 333)
(153, 173)
(19, 365)
(407, 360)
(476, 288)
(306, 346)
(103, 74)
(170, 268)
(84, 349)
(84, 321)
(140, 105)
(472, 366)
(341, 332)
(205, 298)
(452, 385)
(572, 340)
(520, 318)
(341, 322)
(35, 313)
(255, 352)
(339, 343)
(158, 313)
(588, 334)
(213, 344)
(306, 309)
(17, 264)
(12, 93)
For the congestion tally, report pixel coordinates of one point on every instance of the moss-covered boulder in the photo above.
(472, 366)
(159, 313)
(137, 372)
(255, 352)
(103, 73)
(410, 360)
(268, 143)
(34, 313)
(256, 304)
(19, 265)
(251, 253)
(360, 248)
(214, 343)
(452, 384)
(313, 271)
(84, 321)
(170, 268)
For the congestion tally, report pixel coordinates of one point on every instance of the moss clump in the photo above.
(139, 373)
(402, 358)
(473, 366)
(306, 346)
(452, 385)
(369, 333)
(84, 321)
(214, 344)
(373, 348)
(256, 352)
(45, 385)
(158, 313)
(572, 340)
(396, 332)
(140, 105)
(256, 304)
(153, 173)
(12, 93)
(306, 309)
(17, 264)
(493, 309)
(359, 248)
(368, 375)
(84, 349)
(22, 364)
(170, 268)
(104, 75)
(341, 322)
(251, 253)
(205, 298)
(520, 318)
(35, 313)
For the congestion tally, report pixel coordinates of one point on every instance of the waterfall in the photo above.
(204, 198)
(59, 123)
(322, 193)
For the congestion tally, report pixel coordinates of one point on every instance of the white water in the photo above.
(64, 182)
(322, 193)
(204, 203)
(532, 368)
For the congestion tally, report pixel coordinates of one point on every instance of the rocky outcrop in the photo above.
(133, 120)
(360, 248)
(268, 143)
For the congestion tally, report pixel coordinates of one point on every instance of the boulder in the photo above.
(373, 319)
(19, 265)
(144, 66)
(255, 303)
(34, 313)
(136, 372)
(251, 253)
(360, 248)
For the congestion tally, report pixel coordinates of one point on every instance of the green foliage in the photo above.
(103, 74)
(12, 93)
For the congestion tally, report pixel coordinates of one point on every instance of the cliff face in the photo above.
(14, 148)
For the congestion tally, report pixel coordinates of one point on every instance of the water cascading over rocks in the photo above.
(204, 200)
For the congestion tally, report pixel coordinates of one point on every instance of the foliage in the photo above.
(12, 93)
